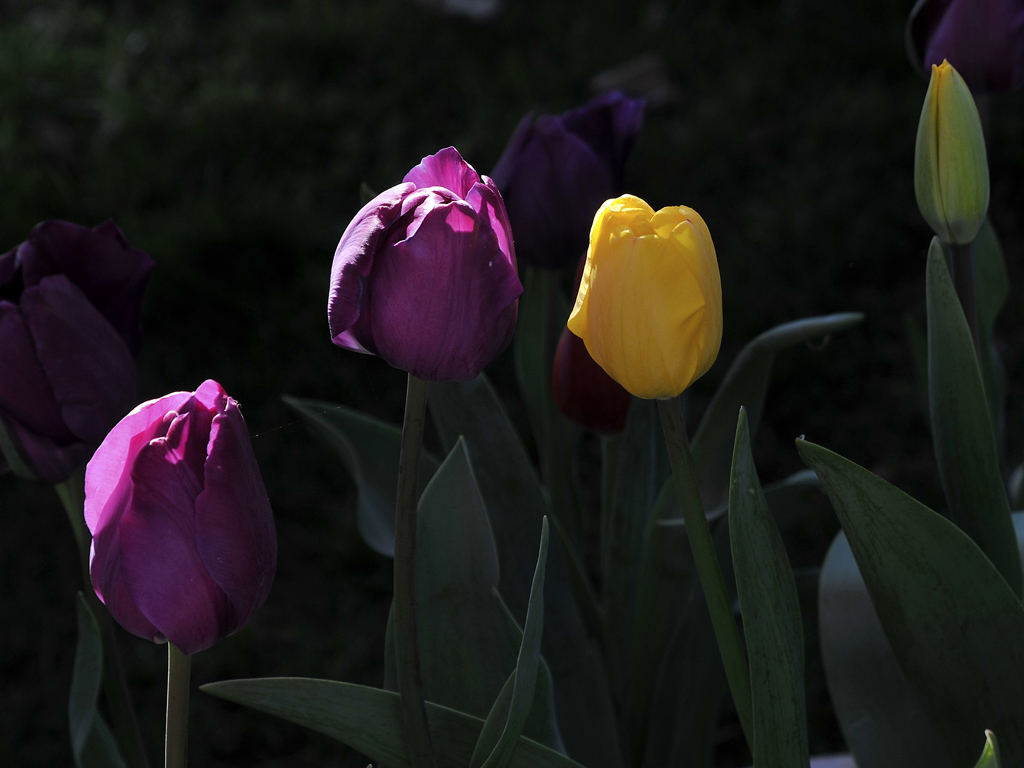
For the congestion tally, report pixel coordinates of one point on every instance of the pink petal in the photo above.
(445, 169)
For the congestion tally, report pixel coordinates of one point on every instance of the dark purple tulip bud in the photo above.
(70, 308)
(184, 547)
(425, 274)
(583, 391)
(558, 169)
(982, 39)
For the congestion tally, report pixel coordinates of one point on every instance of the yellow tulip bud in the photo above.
(950, 166)
(649, 308)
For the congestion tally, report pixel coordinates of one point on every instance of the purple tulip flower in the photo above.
(425, 274)
(584, 393)
(557, 170)
(184, 547)
(982, 39)
(70, 307)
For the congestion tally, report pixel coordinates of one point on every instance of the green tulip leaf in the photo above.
(746, 384)
(965, 446)
(369, 449)
(508, 715)
(457, 597)
(880, 713)
(990, 754)
(92, 743)
(369, 720)
(771, 617)
(950, 617)
(992, 288)
(516, 505)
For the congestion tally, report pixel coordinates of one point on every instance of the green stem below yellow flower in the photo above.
(708, 569)
(407, 664)
(179, 669)
(115, 686)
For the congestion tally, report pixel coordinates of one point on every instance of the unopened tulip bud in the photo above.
(649, 306)
(950, 165)
(184, 547)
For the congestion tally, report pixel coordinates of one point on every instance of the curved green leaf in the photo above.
(771, 617)
(369, 448)
(516, 504)
(370, 720)
(952, 620)
(990, 754)
(457, 597)
(746, 384)
(965, 446)
(495, 746)
(92, 742)
(993, 289)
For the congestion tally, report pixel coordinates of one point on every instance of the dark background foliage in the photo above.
(229, 140)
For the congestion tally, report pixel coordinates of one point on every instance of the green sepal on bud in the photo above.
(950, 164)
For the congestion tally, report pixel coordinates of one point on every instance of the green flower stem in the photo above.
(115, 686)
(410, 684)
(708, 569)
(179, 668)
(963, 281)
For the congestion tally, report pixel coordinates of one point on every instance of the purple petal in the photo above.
(86, 362)
(99, 261)
(552, 198)
(25, 393)
(108, 583)
(610, 125)
(443, 303)
(983, 39)
(234, 523)
(108, 476)
(486, 201)
(160, 562)
(505, 168)
(353, 260)
(445, 169)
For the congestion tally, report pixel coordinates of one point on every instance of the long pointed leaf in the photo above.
(92, 743)
(515, 503)
(496, 754)
(370, 720)
(369, 448)
(771, 617)
(965, 447)
(952, 620)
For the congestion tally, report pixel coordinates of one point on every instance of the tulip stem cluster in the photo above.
(410, 683)
(963, 280)
(709, 571)
(179, 668)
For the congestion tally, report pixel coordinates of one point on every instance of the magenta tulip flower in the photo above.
(184, 547)
(425, 274)
(982, 39)
(70, 307)
(584, 393)
(558, 169)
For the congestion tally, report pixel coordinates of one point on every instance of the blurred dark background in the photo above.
(229, 140)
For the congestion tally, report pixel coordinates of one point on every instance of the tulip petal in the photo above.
(25, 393)
(100, 262)
(507, 164)
(108, 582)
(486, 201)
(444, 169)
(609, 125)
(443, 303)
(108, 476)
(235, 531)
(160, 561)
(353, 261)
(87, 363)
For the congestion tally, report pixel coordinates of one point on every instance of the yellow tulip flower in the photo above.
(649, 308)
(950, 165)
